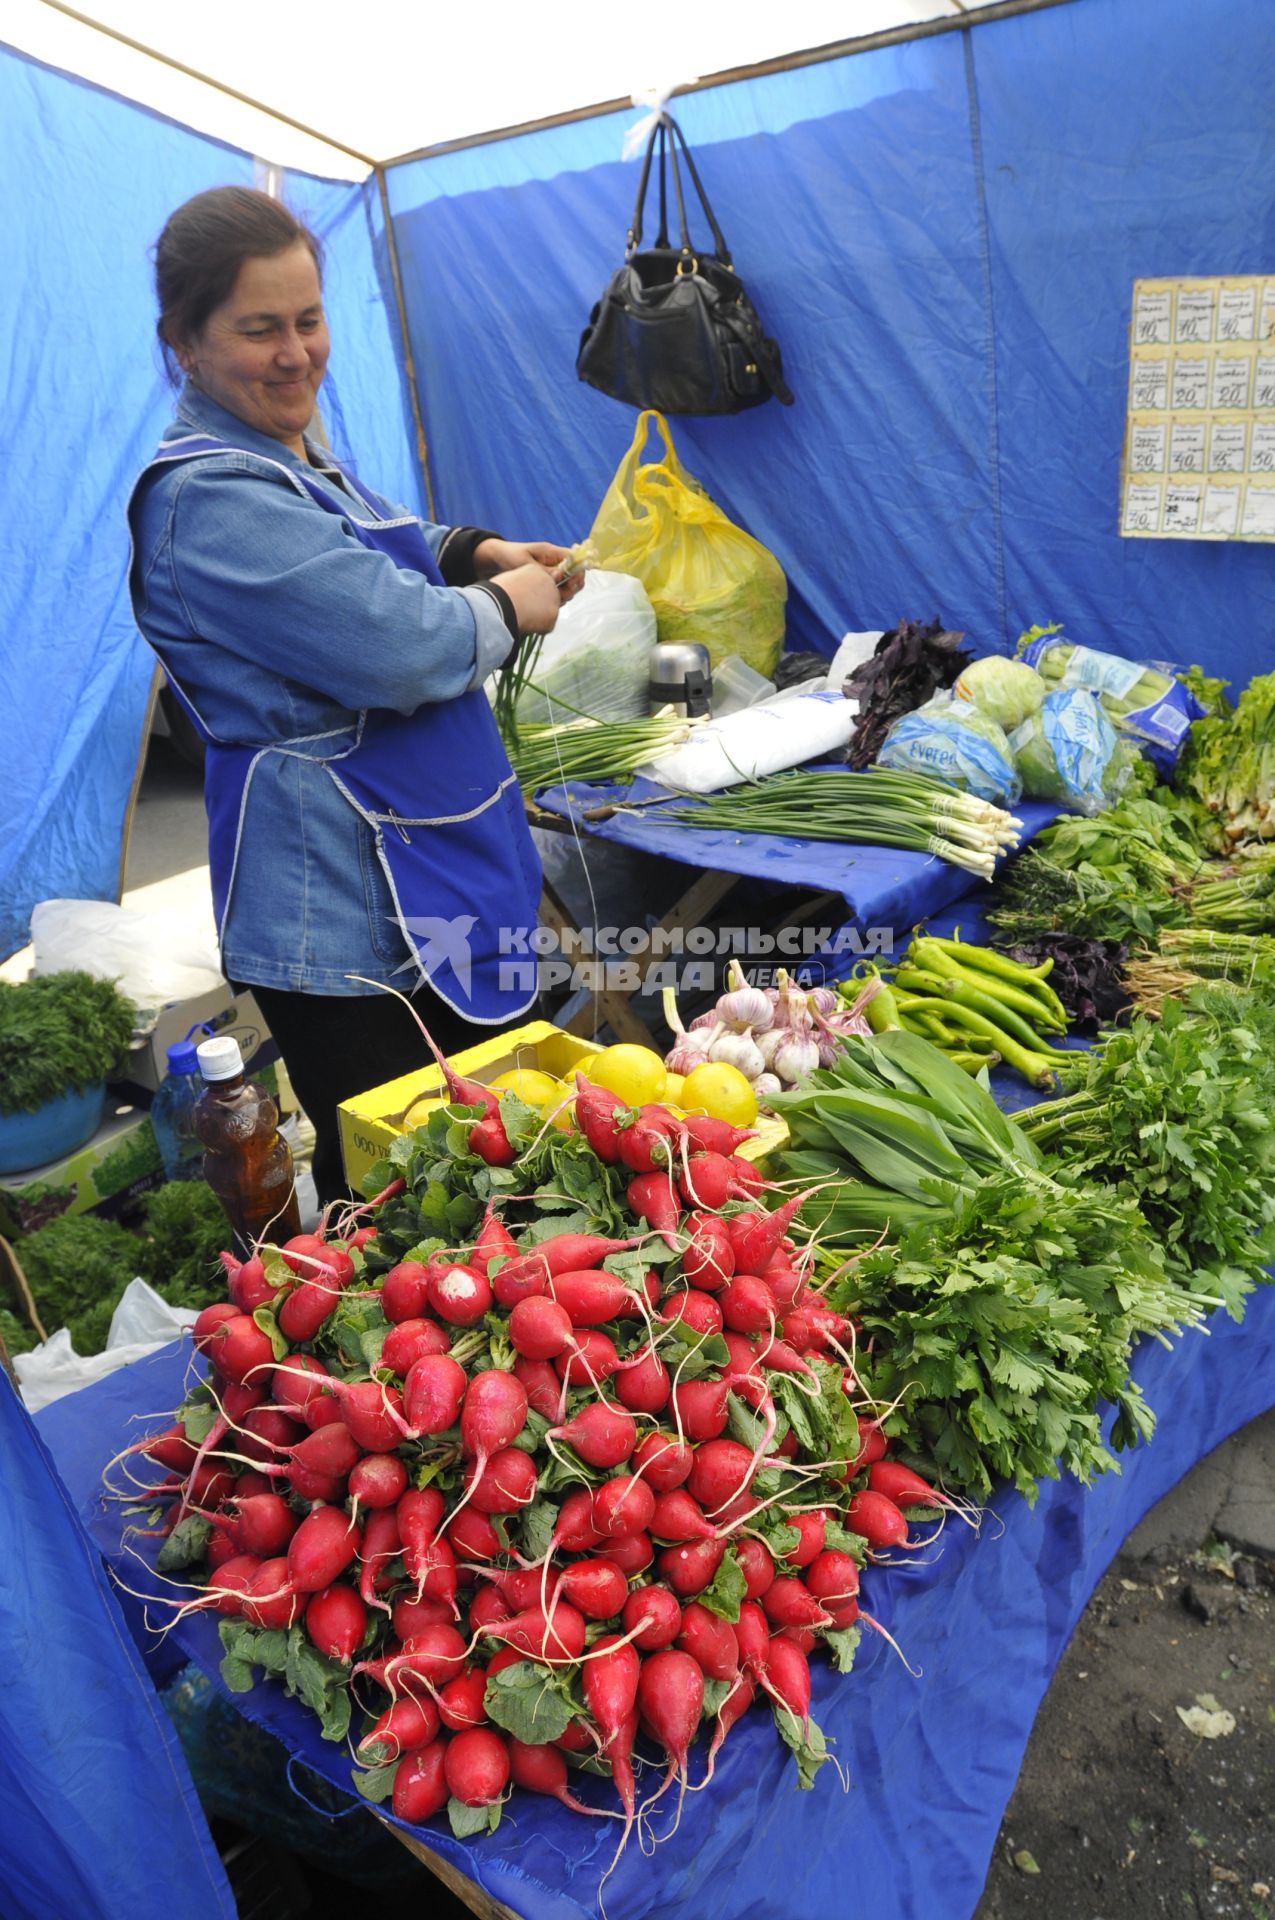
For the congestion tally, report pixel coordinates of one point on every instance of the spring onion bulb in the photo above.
(880, 806)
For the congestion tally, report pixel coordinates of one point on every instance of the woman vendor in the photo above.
(331, 648)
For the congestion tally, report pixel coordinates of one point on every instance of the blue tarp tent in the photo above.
(941, 232)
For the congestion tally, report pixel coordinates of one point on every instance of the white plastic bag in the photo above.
(140, 1324)
(795, 726)
(156, 957)
(597, 659)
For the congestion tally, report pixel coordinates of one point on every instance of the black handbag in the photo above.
(675, 329)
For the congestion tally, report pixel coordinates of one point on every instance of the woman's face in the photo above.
(262, 353)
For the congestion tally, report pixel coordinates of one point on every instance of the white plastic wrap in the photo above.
(597, 659)
(156, 957)
(795, 726)
(140, 1323)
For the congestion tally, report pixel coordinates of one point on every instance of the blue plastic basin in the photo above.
(60, 1126)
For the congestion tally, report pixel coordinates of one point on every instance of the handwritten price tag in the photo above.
(1264, 381)
(1186, 447)
(1236, 313)
(1190, 382)
(1227, 443)
(1146, 450)
(1230, 382)
(1141, 509)
(1259, 513)
(1150, 386)
(1181, 509)
(1221, 509)
(1261, 458)
(1152, 318)
(1195, 314)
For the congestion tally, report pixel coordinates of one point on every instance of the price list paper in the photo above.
(1199, 445)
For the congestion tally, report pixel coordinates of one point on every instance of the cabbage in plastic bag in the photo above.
(1069, 752)
(1005, 690)
(955, 743)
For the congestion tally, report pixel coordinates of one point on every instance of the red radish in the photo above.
(556, 1638)
(336, 1620)
(663, 1461)
(237, 1346)
(733, 1708)
(522, 1278)
(750, 1181)
(542, 1769)
(780, 1357)
(812, 1527)
(248, 1286)
(708, 1260)
(521, 1586)
(798, 1332)
(460, 1702)
(494, 1238)
(689, 1569)
(207, 1323)
(833, 1578)
(412, 1616)
(238, 1399)
(756, 1245)
(420, 1515)
(828, 1330)
(601, 1434)
(261, 1524)
(431, 1566)
(735, 1511)
(872, 1446)
(171, 1448)
(430, 1658)
(748, 1305)
(433, 1392)
(632, 1553)
(788, 1602)
(678, 1517)
(592, 1298)
(420, 1785)
(671, 1699)
(229, 1582)
(596, 1587)
(697, 1310)
(714, 1136)
(592, 1359)
(459, 1295)
(323, 1457)
(576, 1737)
(476, 1766)
(803, 1637)
(610, 1680)
(402, 1728)
(577, 1252)
(540, 1328)
(373, 1411)
(491, 1143)
(653, 1617)
(507, 1657)
(493, 1414)
(653, 1198)
(574, 1529)
(506, 1482)
(752, 1638)
(596, 1114)
(405, 1291)
(643, 1382)
(361, 1237)
(700, 1408)
(759, 1568)
(487, 1606)
(305, 1310)
(709, 1181)
(905, 1488)
(646, 1146)
(472, 1536)
(721, 1471)
(321, 1549)
(788, 1678)
(310, 1256)
(622, 1506)
(877, 1519)
(265, 1431)
(710, 1641)
(411, 1340)
(377, 1480)
(296, 1385)
(542, 1384)
(270, 1600)
(743, 1363)
(788, 1288)
(220, 1550)
(381, 1544)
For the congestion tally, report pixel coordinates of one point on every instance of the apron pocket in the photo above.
(388, 940)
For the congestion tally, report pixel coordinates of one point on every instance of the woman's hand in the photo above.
(537, 598)
(502, 556)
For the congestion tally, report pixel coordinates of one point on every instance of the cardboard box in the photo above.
(108, 1176)
(369, 1121)
(226, 1012)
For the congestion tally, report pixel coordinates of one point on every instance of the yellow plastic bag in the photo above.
(707, 579)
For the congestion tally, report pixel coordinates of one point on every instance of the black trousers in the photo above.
(335, 1046)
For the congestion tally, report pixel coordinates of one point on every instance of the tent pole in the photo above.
(219, 86)
(959, 21)
(409, 363)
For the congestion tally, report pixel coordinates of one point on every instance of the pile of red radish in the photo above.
(595, 1492)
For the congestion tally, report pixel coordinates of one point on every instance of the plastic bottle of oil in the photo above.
(247, 1161)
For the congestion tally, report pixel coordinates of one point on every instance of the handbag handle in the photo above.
(719, 239)
(635, 228)
(667, 122)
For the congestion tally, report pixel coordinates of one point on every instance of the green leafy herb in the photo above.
(59, 1032)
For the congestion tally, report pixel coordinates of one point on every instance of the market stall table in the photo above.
(931, 1760)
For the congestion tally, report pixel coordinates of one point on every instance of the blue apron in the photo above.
(456, 877)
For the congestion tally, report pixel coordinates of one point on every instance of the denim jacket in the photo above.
(278, 624)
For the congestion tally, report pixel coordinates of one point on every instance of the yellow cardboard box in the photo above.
(369, 1121)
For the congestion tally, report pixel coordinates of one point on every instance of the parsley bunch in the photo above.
(59, 1031)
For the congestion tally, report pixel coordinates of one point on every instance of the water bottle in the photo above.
(247, 1162)
(173, 1111)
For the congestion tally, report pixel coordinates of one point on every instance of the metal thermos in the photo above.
(681, 677)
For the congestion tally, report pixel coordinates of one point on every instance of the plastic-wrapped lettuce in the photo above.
(1005, 690)
(957, 744)
(1069, 752)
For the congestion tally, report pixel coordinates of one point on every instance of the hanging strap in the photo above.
(720, 247)
(639, 209)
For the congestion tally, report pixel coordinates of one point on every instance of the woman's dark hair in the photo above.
(203, 246)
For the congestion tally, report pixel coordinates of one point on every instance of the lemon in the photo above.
(554, 1109)
(419, 1112)
(634, 1074)
(673, 1084)
(529, 1083)
(721, 1091)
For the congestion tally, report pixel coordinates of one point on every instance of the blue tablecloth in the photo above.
(883, 886)
(932, 1761)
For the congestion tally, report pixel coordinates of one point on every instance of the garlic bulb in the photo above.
(769, 1043)
(746, 1008)
(738, 1050)
(767, 1083)
(797, 1059)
